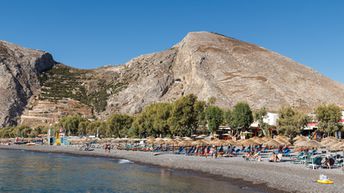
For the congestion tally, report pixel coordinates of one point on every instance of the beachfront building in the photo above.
(313, 126)
(270, 119)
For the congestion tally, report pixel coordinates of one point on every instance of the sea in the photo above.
(25, 172)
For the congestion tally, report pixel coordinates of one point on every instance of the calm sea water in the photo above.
(24, 171)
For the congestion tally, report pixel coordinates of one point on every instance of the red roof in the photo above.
(312, 124)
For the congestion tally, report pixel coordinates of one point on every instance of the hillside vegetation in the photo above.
(85, 86)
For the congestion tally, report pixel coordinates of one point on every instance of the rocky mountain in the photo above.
(203, 63)
(19, 70)
(212, 65)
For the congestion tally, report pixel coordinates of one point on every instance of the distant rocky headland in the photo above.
(36, 90)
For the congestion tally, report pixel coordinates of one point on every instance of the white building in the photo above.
(270, 119)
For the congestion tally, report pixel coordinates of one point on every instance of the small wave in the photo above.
(124, 161)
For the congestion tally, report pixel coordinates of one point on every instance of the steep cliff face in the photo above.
(203, 63)
(19, 70)
(212, 65)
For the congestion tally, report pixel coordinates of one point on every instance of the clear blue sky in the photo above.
(88, 34)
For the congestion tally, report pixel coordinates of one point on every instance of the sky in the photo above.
(92, 33)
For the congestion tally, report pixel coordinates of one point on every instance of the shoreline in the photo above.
(268, 177)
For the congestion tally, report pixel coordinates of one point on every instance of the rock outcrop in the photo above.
(205, 64)
(212, 65)
(19, 70)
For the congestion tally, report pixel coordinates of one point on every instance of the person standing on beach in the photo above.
(107, 148)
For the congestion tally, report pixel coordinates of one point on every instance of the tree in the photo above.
(97, 127)
(119, 125)
(184, 116)
(241, 116)
(153, 121)
(82, 127)
(142, 126)
(71, 124)
(291, 122)
(227, 117)
(259, 116)
(328, 117)
(200, 107)
(214, 117)
(160, 113)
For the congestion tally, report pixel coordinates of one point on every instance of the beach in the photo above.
(283, 176)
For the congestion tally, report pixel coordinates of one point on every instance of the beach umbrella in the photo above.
(187, 139)
(336, 146)
(300, 140)
(309, 144)
(258, 140)
(330, 143)
(167, 139)
(217, 142)
(342, 146)
(159, 139)
(330, 138)
(266, 139)
(201, 137)
(185, 143)
(230, 142)
(272, 143)
(199, 143)
(282, 137)
(283, 141)
(150, 140)
(134, 140)
(299, 137)
(173, 142)
(248, 142)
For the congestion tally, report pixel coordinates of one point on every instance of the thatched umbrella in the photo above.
(217, 142)
(185, 143)
(336, 146)
(134, 140)
(187, 139)
(167, 140)
(258, 140)
(230, 142)
(199, 142)
(282, 137)
(248, 142)
(272, 143)
(330, 138)
(330, 143)
(159, 141)
(173, 142)
(201, 137)
(309, 144)
(266, 139)
(283, 141)
(150, 140)
(300, 137)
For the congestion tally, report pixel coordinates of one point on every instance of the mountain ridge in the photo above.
(202, 63)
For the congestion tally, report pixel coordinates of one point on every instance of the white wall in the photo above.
(271, 119)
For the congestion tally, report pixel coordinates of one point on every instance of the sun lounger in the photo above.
(314, 162)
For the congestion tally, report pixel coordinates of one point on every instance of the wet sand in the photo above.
(282, 176)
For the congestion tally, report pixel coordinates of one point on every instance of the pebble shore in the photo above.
(283, 176)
